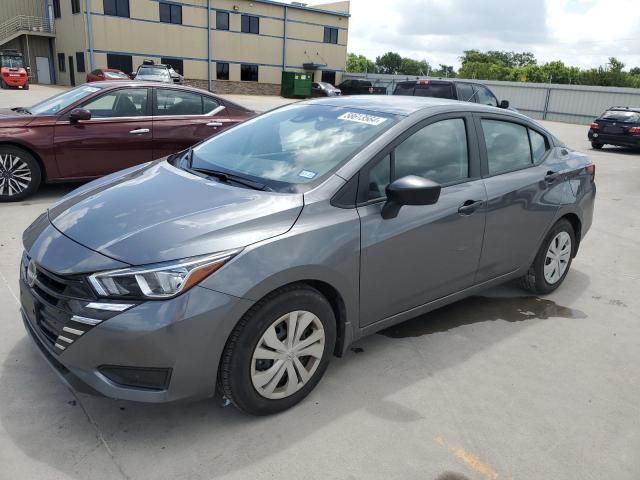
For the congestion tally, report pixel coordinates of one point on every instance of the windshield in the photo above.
(621, 116)
(115, 75)
(293, 145)
(11, 61)
(53, 105)
(152, 72)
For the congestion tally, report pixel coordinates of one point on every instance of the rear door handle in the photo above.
(214, 124)
(551, 176)
(138, 131)
(470, 206)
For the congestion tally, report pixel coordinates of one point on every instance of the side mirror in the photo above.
(78, 114)
(409, 190)
(504, 104)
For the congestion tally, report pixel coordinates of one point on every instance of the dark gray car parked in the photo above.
(245, 263)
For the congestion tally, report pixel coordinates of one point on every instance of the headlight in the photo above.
(161, 280)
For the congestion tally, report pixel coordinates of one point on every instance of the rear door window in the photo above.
(176, 102)
(507, 146)
(465, 92)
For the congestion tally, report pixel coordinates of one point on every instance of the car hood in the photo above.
(159, 213)
(11, 118)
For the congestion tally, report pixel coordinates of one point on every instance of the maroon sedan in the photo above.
(102, 127)
(102, 74)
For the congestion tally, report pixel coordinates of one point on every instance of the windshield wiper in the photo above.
(229, 177)
(21, 110)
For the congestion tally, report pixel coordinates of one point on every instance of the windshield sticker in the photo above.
(307, 174)
(362, 118)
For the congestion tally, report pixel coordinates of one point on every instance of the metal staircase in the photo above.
(25, 24)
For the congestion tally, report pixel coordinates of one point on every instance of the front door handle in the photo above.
(214, 124)
(470, 206)
(551, 176)
(139, 131)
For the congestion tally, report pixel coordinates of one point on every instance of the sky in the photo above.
(583, 33)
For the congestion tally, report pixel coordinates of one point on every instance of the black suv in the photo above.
(453, 89)
(617, 126)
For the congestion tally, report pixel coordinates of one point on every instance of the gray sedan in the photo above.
(244, 264)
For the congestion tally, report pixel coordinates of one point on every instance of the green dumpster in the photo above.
(295, 85)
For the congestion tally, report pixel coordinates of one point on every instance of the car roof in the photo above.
(401, 105)
(624, 109)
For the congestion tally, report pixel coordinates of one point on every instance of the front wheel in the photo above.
(20, 174)
(2, 84)
(553, 260)
(279, 351)
(596, 145)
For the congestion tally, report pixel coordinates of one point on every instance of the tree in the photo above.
(390, 62)
(409, 66)
(446, 71)
(635, 71)
(359, 64)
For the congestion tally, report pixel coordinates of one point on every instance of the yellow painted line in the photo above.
(472, 461)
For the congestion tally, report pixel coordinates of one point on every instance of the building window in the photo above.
(222, 20)
(249, 73)
(222, 71)
(329, 77)
(330, 35)
(176, 63)
(56, 8)
(80, 62)
(123, 63)
(61, 63)
(75, 6)
(170, 13)
(118, 8)
(250, 24)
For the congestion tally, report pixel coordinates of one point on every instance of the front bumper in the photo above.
(184, 335)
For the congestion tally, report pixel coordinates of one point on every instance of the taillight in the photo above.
(591, 170)
(634, 130)
(595, 126)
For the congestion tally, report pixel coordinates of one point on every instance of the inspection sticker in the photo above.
(362, 118)
(307, 174)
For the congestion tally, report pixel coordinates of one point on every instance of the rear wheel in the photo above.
(26, 86)
(596, 145)
(2, 84)
(279, 351)
(20, 174)
(553, 260)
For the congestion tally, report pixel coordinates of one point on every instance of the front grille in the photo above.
(61, 308)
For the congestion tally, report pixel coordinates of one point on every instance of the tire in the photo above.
(596, 145)
(244, 365)
(3, 85)
(26, 86)
(536, 280)
(20, 174)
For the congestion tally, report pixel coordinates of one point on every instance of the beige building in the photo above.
(232, 45)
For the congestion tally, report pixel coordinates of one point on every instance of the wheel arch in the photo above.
(576, 223)
(30, 151)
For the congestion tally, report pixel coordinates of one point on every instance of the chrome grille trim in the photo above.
(86, 320)
(60, 346)
(72, 331)
(65, 339)
(110, 307)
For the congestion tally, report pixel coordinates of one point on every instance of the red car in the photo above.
(102, 74)
(99, 128)
(12, 71)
